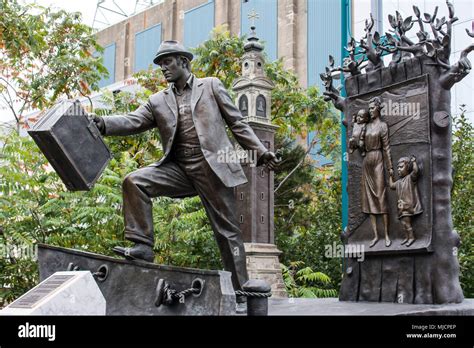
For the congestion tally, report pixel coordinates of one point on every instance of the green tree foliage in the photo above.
(462, 198)
(35, 207)
(183, 234)
(308, 212)
(220, 57)
(44, 55)
(296, 110)
(304, 282)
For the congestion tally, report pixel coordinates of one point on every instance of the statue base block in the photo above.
(130, 287)
(63, 293)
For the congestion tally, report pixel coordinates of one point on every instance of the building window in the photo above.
(266, 24)
(147, 43)
(108, 61)
(198, 24)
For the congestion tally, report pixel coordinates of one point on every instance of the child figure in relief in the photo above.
(408, 199)
(359, 123)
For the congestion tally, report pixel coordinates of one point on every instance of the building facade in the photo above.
(300, 32)
(130, 45)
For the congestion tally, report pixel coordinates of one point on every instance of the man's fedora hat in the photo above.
(171, 47)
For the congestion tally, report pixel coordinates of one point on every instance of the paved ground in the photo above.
(332, 306)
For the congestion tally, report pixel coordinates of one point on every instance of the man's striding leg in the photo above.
(138, 189)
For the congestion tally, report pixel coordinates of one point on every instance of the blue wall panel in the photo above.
(147, 43)
(109, 62)
(267, 24)
(198, 24)
(324, 38)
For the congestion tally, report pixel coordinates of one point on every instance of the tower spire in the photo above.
(252, 41)
(255, 199)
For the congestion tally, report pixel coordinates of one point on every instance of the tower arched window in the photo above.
(244, 105)
(261, 106)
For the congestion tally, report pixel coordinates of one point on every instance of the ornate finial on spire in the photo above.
(253, 16)
(252, 41)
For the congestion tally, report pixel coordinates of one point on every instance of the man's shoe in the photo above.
(138, 252)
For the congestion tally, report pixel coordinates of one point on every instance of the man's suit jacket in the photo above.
(211, 105)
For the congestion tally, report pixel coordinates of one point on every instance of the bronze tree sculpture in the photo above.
(420, 265)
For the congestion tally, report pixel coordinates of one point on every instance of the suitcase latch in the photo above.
(93, 130)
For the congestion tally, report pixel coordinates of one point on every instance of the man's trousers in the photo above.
(186, 177)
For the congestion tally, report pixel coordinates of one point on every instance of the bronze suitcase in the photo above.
(72, 144)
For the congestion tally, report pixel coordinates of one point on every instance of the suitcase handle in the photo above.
(93, 129)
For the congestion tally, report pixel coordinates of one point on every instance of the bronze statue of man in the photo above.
(190, 117)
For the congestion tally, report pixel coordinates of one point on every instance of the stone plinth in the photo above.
(63, 293)
(263, 263)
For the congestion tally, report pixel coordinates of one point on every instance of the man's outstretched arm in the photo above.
(134, 122)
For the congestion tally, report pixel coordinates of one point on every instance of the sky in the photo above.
(88, 9)
(107, 14)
